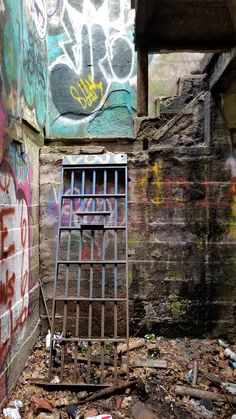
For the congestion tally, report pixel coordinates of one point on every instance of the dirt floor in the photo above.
(153, 395)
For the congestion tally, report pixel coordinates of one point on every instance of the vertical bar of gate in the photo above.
(103, 278)
(77, 320)
(127, 267)
(65, 313)
(115, 274)
(60, 204)
(91, 280)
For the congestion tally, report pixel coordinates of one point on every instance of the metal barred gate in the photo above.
(91, 274)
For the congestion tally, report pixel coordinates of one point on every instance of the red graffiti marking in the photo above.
(9, 250)
(7, 288)
(15, 275)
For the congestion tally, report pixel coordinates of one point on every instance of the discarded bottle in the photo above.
(230, 354)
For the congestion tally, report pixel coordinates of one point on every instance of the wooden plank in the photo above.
(122, 349)
(142, 83)
(202, 394)
(150, 363)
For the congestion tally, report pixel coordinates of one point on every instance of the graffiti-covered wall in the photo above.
(23, 85)
(91, 68)
(24, 59)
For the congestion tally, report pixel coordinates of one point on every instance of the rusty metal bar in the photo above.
(65, 312)
(91, 262)
(103, 279)
(91, 282)
(90, 299)
(60, 200)
(142, 83)
(127, 269)
(97, 195)
(78, 298)
(85, 339)
(115, 274)
(105, 227)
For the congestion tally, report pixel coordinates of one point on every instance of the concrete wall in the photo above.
(23, 84)
(165, 73)
(181, 219)
(91, 68)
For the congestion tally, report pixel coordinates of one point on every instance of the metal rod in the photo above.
(84, 338)
(90, 298)
(104, 213)
(60, 200)
(127, 268)
(89, 167)
(103, 279)
(65, 313)
(97, 195)
(105, 227)
(78, 299)
(91, 262)
(115, 276)
(91, 282)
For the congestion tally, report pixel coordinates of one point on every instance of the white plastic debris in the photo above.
(11, 412)
(223, 343)
(48, 340)
(18, 404)
(230, 354)
(56, 380)
(230, 387)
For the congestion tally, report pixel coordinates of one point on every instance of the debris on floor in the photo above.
(181, 378)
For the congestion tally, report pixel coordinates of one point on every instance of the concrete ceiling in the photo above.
(185, 25)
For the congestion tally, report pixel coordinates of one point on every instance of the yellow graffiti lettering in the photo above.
(155, 172)
(87, 92)
(144, 179)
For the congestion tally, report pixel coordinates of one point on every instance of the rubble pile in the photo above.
(181, 378)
